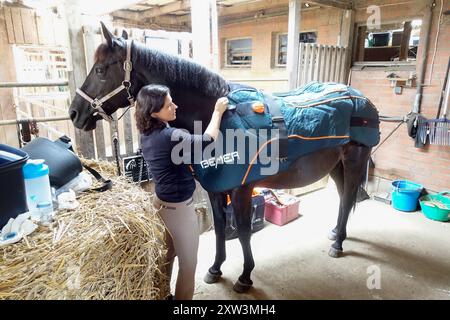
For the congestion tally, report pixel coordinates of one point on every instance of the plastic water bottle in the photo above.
(37, 185)
(46, 212)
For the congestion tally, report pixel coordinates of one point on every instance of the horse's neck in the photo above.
(194, 106)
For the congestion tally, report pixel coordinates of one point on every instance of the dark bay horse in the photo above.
(195, 90)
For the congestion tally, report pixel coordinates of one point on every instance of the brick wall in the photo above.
(325, 21)
(397, 158)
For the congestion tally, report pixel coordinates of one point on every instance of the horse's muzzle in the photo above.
(85, 124)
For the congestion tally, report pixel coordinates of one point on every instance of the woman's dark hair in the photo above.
(150, 99)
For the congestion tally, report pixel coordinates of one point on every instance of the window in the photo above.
(281, 57)
(239, 52)
(392, 42)
(281, 45)
(308, 37)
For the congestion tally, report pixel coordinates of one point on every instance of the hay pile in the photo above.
(110, 247)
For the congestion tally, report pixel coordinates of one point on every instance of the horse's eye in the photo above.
(99, 70)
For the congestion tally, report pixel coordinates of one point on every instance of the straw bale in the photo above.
(110, 247)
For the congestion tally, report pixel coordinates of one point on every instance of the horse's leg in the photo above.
(242, 207)
(218, 202)
(337, 174)
(354, 163)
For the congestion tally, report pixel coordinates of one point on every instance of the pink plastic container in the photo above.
(280, 214)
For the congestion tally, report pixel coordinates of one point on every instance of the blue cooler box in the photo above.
(13, 199)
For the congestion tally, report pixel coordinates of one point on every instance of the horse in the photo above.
(195, 90)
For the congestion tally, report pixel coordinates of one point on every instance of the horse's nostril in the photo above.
(73, 115)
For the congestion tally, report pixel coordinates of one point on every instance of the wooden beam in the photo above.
(168, 8)
(178, 26)
(102, 7)
(161, 15)
(404, 46)
(346, 5)
(127, 15)
(261, 5)
(293, 42)
(134, 18)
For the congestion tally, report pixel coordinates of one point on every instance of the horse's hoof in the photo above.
(334, 253)
(240, 287)
(332, 235)
(211, 278)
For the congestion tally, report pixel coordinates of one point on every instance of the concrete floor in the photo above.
(409, 253)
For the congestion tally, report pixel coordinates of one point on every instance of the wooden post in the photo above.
(319, 61)
(422, 53)
(214, 36)
(17, 24)
(404, 46)
(359, 55)
(346, 40)
(91, 41)
(8, 134)
(293, 42)
(77, 74)
(306, 64)
(201, 32)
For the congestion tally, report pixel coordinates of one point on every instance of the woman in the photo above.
(174, 183)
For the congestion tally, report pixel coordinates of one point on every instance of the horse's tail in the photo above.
(362, 194)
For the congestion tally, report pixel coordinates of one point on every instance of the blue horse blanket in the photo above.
(317, 116)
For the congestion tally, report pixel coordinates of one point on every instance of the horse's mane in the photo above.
(181, 73)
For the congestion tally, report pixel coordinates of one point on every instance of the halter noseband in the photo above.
(97, 103)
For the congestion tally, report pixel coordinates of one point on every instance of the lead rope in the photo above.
(141, 169)
(115, 139)
(126, 110)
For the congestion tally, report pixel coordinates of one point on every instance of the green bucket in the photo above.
(436, 207)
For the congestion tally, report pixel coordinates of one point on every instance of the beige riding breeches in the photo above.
(182, 236)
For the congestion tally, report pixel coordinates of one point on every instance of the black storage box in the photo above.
(258, 206)
(13, 198)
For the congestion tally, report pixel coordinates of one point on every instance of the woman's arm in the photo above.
(212, 131)
(213, 127)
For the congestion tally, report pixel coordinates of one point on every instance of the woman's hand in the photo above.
(213, 128)
(221, 105)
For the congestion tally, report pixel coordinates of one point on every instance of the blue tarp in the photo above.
(317, 116)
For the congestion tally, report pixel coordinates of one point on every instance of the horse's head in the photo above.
(105, 88)
(193, 87)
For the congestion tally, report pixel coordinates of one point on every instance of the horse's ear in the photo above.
(108, 35)
(124, 34)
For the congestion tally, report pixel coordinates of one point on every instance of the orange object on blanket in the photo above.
(258, 107)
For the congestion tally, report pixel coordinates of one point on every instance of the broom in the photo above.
(440, 127)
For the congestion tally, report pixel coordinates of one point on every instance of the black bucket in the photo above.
(13, 199)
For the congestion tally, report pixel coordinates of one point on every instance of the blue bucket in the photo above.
(405, 195)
